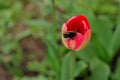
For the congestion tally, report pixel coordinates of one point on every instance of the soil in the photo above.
(4, 73)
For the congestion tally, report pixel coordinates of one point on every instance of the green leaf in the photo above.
(7, 47)
(102, 26)
(36, 66)
(38, 24)
(115, 44)
(41, 77)
(41, 67)
(53, 57)
(81, 66)
(23, 34)
(99, 71)
(96, 46)
(39, 27)
(67, 67)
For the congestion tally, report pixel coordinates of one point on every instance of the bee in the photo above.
(69, 35)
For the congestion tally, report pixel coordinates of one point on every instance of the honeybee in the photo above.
(69, 35)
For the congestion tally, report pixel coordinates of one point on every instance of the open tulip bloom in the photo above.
(76, 33)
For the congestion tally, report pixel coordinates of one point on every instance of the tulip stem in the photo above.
(73, 65)
(54, 20)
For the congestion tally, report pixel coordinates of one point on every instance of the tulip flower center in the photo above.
(77, 25)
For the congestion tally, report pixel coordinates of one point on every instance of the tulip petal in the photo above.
(87, 37)
(78, 40)
(64, 28)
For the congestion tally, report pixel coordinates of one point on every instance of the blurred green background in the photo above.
(31, 47)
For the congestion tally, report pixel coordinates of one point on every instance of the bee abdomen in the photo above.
(69, 35)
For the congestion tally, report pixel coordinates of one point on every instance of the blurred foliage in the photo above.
(97, 61)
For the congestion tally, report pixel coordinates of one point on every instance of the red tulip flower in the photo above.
(76, 33)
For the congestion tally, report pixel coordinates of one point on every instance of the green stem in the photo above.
(73, 66)
(54, 20)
